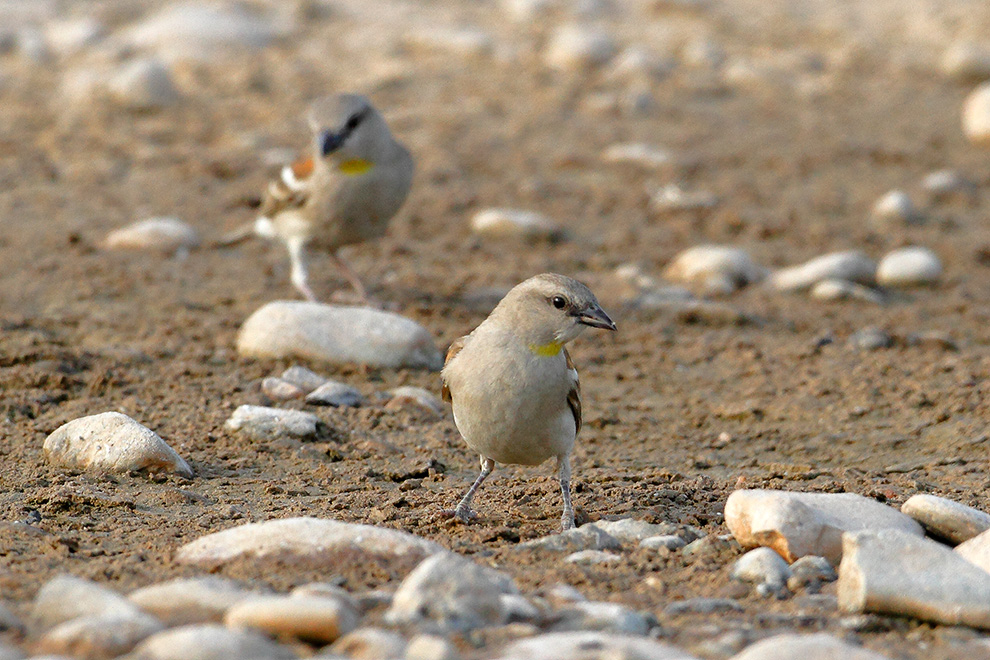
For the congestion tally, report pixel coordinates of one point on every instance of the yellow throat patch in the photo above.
(546, 350)
(355, 167)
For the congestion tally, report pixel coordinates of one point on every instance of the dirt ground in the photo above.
(679, 411)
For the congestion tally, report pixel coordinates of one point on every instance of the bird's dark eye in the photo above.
(559, 302)
(353, 121)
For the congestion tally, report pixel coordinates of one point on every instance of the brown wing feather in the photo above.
(454, 349)
(280, 196)
(574, 395)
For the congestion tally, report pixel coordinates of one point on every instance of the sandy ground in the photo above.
(679, 411)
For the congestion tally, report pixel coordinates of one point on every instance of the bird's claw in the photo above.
(462, 514)
(566, 524)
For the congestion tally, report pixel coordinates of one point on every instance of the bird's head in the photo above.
(550, 309)
(347, 128)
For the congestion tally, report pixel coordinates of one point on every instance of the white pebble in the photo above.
(943, 184)
(369, 644)
(639, 65)
(338, 395)
(144, 84)
(431, 647)
(184, 601)
(976, 115)
(638, 153)
(591, 557)
(499, 223)
(303, 378)
(966, 62)
(667, 541)
(717, 269)
(578, 48)
(946, 519)
(264, 423)
(672, 198)
(910, 266)
(280, 390)
(843, 290)
(210, 642)
(852, 266)
(894, 207)
(763, 567)
(70, 36)
(167, 235)
(409, 397)
(309, 618)
(459, 42)
(65, 598)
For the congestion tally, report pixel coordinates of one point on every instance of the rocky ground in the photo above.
(778, 133)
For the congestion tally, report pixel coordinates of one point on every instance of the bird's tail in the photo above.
(261, 227)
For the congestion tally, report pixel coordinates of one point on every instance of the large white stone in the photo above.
(452, 592)
(316, 540)
(369, 644)
(585, 537)
(144, 84)
(764, 568)
(976, 551)
(65, 598)
(99, 636)
(889, 572)
(578, 48)
(799, 524)
(910, 266)
(319, 619)
(111, 442)
(852, 266)
(572, 645)
(946, 519)
(717, 268)
(817, 646)
(501, 223)
(630, 529)
(337, 334)
(190, 600)
(210, 642)
(168, 235)
(976, 115)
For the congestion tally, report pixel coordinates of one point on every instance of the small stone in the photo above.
(799, 524)
(565, 593)
(889, 572)
(190, 600)
(262, 423)
(672, 198)
(610, 617)
(712, 544)
(763, 566)
(976, 551)
(966, 62)
(667, 541)
(852, 266)
(303, 378)
(318, 541)
(431, 647)
(459, 42)
(844, 290)
(210, 642)
(591, 557)
(417, 399)
(370, 644)
(976, 115)
(99, 636)
(65, 598)
(816, 646)
(144, 84)
(112, 442)
(578, 48)
(946, 519)
(810, 572)
(452, 592)
(871, 339)
(585, 537)
(337, 334)
(588, 644)
(894, 208)
(702, 606)
(944, 184)
(330, 590)
(338, 395)
(503, 223)
(310, 618)
(910, 266)
(166, 235)
(518, 609)
(281, 390)
(630, 529)
(68, 37)
(718, 269)
(638, 153)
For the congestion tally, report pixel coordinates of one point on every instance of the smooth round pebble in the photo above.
(976, 115)
(310, 618)
(370, 644)
(505, 223)
(894, 208)
(871, 339)
(910, 266)
(431, 647)
(966, 62)
(338, 395)
(667, 541)
(144, 84)
(591, 557)
(578, 48)
(810, 572)
(167, 235)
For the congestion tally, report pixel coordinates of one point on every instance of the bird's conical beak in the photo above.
(595, 317)
(330, 142)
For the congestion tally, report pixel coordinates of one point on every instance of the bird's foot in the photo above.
(462, 513)
(566, 523)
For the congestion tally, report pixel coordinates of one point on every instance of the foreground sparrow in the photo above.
(512, 385)
(356, 180)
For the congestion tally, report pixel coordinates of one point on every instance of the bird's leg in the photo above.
(297, 257)
(564, 472)
(463, 511)
(351, 276)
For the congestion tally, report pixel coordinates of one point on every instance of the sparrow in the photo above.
(513, 386)
(355, 181)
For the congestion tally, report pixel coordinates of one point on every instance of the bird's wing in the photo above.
(289, 191)
(454, 349)
(574, 394)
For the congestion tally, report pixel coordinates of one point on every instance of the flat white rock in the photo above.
(410, 397)
(502, 223)
(976, 115)
(65, 598)
(852, 266)
(578, 48)
(817, 646)
(370, 644)
(111, 442)
(890, 572)
(337, 334)
(798, 524)
(339, 395)
(966, 62)
(190, 600)
(168, 235)
(281, 390)
(976, 551)
(144, 84)
(431, 647)
(99, 636)
(571, 645)
(909, 266)
(452, 592)
(263, 423)
(597, 615)
(211, 642)
(946, 519)
(586, 537)
(630, 529)
(317, 540)
(717, 268)
(845, 290)
(591, 557)
(318, 619)
(303, 378)
(638, 153)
